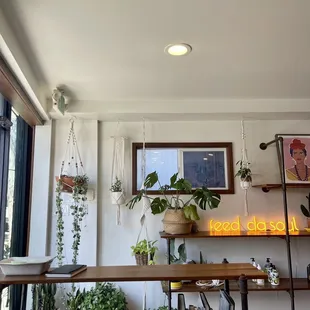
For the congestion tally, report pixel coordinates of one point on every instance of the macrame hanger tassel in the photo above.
(246, 206)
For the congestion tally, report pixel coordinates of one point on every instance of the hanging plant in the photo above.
(116, 192)
(60, 224)
(78, 211)
(245, 174)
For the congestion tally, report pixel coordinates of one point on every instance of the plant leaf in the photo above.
(151, 179)
(131, 203)
(173, 179)
(304, 210)
(203, 196)
(190, 212)
(159, 205)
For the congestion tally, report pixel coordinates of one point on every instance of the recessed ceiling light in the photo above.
(179, 49)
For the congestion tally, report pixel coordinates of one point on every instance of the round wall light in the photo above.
(180, 49)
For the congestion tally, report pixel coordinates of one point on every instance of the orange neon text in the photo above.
(254, 225)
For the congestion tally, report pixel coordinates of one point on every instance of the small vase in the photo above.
(117, 198)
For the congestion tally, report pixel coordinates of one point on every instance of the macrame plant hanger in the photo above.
(117, 192)
(146, 205)
(245, 185)
(73, 160)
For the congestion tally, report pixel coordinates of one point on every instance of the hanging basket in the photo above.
(175, 222)
(142, 259)
(117, 198)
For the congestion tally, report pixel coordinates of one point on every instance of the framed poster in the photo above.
(296, 157)
(202, 163)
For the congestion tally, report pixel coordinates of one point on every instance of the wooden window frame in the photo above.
(12, 90)
(228, 145)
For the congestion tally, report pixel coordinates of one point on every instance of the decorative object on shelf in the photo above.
(179, 214)
(308, 273)
(181, 252)
(254, 265)
(117, 192)
(202, 164)
(306, 211)
(296, 161)
(274, 276)
(176, 285)
(144, 250)
(260, 281)
(244, 172)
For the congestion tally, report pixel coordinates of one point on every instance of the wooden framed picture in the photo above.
(296, 157)
(203, 164)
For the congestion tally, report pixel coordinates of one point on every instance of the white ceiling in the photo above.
(109, 49)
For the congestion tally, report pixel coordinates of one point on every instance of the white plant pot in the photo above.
(117, 198)
(245, 184)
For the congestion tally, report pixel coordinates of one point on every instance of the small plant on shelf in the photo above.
(306, 211)
(116, 186)
(144, 250)
(182, 256)
(179, 214)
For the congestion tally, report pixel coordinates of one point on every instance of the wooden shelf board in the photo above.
(268, 187)
(299, 284)
(230, 271)
(239, 234)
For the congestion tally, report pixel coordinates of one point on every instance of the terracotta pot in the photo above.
(67, 183)
(175, 222)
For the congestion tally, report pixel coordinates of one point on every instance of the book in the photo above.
(66, 271)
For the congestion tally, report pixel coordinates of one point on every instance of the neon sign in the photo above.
(254, 225)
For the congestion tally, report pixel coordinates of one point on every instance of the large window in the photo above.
(15, 164)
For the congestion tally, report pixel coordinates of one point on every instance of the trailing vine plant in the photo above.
(78, 211)
(60, 224)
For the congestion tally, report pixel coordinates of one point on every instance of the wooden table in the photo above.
(231, 271)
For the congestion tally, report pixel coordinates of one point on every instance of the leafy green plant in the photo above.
(182, 256)
(75, 299)
(43, 296)
(104, 296)
(203, 197)
(244, 172)
(144, 247)
(304, 210)
(116, 186)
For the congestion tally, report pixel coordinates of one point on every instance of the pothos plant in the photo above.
(244, 172)
(203, 197)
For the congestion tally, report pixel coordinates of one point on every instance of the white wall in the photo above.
(110, 243)
(114, 241)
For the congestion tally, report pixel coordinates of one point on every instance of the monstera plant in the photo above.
(180, 212)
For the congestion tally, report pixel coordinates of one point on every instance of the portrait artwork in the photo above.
(296, 158)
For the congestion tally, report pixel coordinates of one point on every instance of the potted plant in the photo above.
(142, 250)
(306, 211)
(117, 193)
(245, 174)
(179, 215)
(68, 182)
(104, 296)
